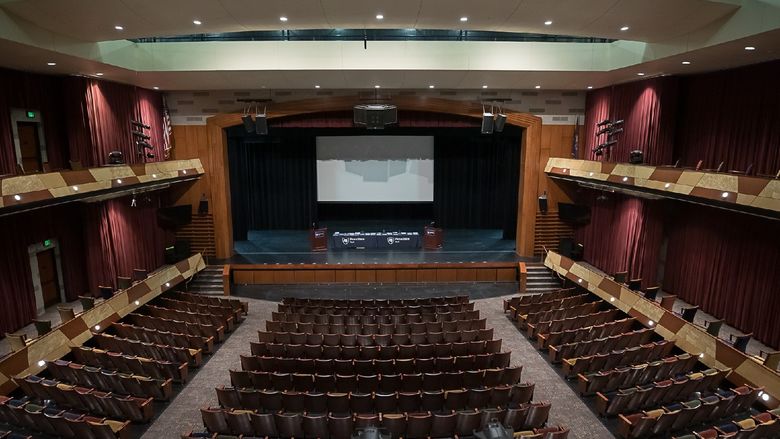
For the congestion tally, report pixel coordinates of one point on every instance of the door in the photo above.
(47, 269)
(30, 146)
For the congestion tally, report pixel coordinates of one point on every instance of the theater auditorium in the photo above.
(372, 219)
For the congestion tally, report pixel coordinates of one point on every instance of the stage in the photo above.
(292, 247)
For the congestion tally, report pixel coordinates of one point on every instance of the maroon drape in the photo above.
(406, 119)
(122, 238)
(732, 116)
(648, 109)
(624, 234)
(99, 120)
(727, 264)
(17, 233)
(28, 91)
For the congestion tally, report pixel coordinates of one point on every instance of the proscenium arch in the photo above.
(529, 158)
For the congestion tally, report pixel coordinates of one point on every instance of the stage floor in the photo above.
(292, 246)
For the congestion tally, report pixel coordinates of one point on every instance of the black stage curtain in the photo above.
(476, 179)
(273, 182)
(274, 179)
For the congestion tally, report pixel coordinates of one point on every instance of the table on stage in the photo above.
(383, 240)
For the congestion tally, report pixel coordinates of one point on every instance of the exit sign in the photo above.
(31, 115)
(47, 243)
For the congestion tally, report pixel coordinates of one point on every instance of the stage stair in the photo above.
(541, 279)
(208, 281)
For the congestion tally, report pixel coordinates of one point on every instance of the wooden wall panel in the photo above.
(386, 276)
(556, 142)
(243, 277)
(305, 277)
(486, 275)
(406, 275)
(446, 275)
(325, 276)
(284, 277)
(506, 274)
(345, 276)
(192, 142)
(263, 277)
(365, 276)
(466, 275)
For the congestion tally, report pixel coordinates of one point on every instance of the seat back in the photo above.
(66, 314)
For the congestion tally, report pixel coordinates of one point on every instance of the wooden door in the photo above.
(30, 147)
(47, 269)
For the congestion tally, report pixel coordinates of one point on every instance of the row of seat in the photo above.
(374, 402)
(637, 374)
(657, 393)
(407, 425)
(378, 329)
(368, 367)
(160, 337)
(541, 322)
(601, 326)
(375, 319)
(372, 352)
(210, 300)
(441, 300)
(184, 305)
(157, 369)
(207, 331)
(593, 347)
(102, 403)
(57, 422)
(542, 329)
(466, 330)
(620, 357)
(150, 350)
(376, 310)
(226, 324)
(759, 426)
(516, 312)
(110, 380)
(679, 416)
(536, 298)
(323, 382)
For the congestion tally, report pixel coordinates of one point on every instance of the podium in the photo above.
(432, 238)
(318, 239)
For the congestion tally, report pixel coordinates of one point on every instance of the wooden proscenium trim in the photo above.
(529, 158)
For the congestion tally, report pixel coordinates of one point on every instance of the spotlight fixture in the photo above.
(249, 124)
(133, 202)
(99, 74)
(640, 74)
(484, 86)
(548, 22)
(118, 27)
(500, 121)
(51, 64)
(624, 28)
(487, 121)
(261, 123)
(156, 87)
(464, 19)
(750, 48)
(283, 18)
(538, 87)
(380, 17)
(590, 87)
(197, 22)
(686, 63)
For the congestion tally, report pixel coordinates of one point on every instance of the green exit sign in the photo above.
(31, 115)
(47, 243)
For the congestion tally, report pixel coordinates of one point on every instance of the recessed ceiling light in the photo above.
(538, 87)
(464, 19)
(548, 22)
(377, 86)
(282, 18)
(317, 86)
(156, 87)
(51, 63)
(685, 63)
(590, 87)
(624, 28)
(640, 74)
(750, 48)
(484, 86)
(197, 22)
(118, 27)
(380, 17)
(431, 86)
(99, 74)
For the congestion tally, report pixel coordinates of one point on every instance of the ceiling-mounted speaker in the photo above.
(375, 116)
(261, 124)
(500, 122)
(487, 123)
(249, 124)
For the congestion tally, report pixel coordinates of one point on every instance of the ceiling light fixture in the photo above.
(640, 74)
(282, 18)
(317, 86)
(724, 195)
(18, 197)
(97, 327)
(651, 323)
(624, 28)
(41, 363)
(590, 87)
(51, 63)
(548, 22)
(686, 63)
(484, 86)
(538, 87)
(118, 27)
(464, 19)
(750, 48)
(99, 74)
(197, 22)
(380, 17)
(377, 86)
(75, 188)
(431, 86)
(156, 87)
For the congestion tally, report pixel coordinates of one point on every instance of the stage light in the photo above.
(548, 22)
(261, 123)
(249, 124)
(500, 122)
(624, 28)
(487, 121)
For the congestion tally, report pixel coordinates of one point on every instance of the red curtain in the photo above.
(648, 110)
(28, 91)
(732, 116)
(123, 238)
(99, 120)
(624, 234)
(17, 233)
(727, 264)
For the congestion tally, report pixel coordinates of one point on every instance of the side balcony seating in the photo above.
(519, 311)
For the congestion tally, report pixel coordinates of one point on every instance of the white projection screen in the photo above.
(375, 168)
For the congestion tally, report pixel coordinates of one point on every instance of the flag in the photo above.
(575, 143)
(167, 130)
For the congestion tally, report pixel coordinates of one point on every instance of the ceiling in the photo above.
(79, 36)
